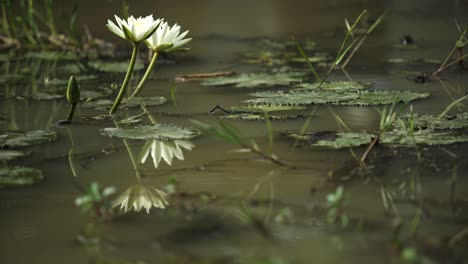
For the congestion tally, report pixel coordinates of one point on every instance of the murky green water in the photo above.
(41, 224)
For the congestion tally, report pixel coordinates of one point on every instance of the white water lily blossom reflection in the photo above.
(167, 38)
(134, 29)
(164, 150)
(141, 196)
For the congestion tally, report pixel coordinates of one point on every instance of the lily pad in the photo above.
(384, 97)
(115, 67)
(24, 140)
(424, 137)
(301, 97)
(158, 131)
(50, 55)
(11, 78)
(261, 116)
(46, 96)
(6, 155)
(337, 86)
(57, 82)
(306, 97)
(260, 108)
(333, 139)
(256, 80)
(105, 104)
(19, 176)
(457, 121)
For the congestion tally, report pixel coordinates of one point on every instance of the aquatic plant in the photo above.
(165, 39)
(336, 204)
(134, 30)
(459, 45)
(141, 196)
(165, 150)
(73, 96)
(96, 200)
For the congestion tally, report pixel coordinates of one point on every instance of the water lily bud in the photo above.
(73, 91)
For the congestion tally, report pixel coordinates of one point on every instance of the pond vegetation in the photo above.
(74, 111)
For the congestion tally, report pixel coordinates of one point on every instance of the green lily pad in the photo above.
(50, 55)
(314, 59)
(261, 116)
(158, 131)
(384, 97)
(28, 139)
(424, 137)
(333, 139)
(115, 67)
(256, 80)
(6, 155)
(300, 97)
(260, 108)
(104, 105)
(337, 86)
(19, 176)
(46, 96)
(80, 78)
(306, 97)
(457, 121)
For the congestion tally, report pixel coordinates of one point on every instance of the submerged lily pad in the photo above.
(6, 155)
(24, 140)
(126, 103)
(158, 131)
(337, 86)
(306, 97)
(19, 176)
(115, 67)
(255, 80)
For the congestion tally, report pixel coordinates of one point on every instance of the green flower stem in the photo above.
(72, 112)
(147, 74)
(121, 94)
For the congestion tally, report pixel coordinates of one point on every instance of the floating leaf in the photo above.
(126, 103)
(424, 137)
(115, 67)
(306, 97)
(46, 96)
(333, 140)
(57, 82)
(11, 78)
(6, 155)
(261, 116)
(384, 97)
(19, 176)
(301, 97)
(260, 108)
(255, 80)
(24, 140)
(337, 86)
(158, 131)
(50, 55)
(457, 121)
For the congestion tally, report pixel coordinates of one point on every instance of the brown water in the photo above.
(40, 224)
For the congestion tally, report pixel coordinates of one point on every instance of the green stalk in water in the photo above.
(147, 74)
(131, 66)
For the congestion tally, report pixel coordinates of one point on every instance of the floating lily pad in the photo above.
(301, 97)
(126, 103)
(11, 78)
(24, 140)
(306, 97)
(6, 155)
(314, 59)
(46, 96)
(384, 97)
(260, 108)
(337, 86)
(19, 176)
(333, 140)
(50, 55)
(424, 137)
(259, 116)
(158, 131)
(256, 80)
(80, 78)
(115, 67)
(457, 121)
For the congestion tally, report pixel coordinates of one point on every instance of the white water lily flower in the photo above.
(164, 150)
(141, 196)
(167, 38)
(134, 29)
